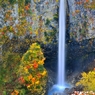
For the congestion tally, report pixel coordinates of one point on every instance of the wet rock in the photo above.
(51, 80)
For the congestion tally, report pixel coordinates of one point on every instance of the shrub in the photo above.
(87, 81)
(8, 69)
(32, 74)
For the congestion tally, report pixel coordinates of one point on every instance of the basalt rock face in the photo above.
(81, 29)
(80, 57)
(43, 18)
(82, 19)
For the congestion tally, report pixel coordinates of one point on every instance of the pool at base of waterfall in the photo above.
(58, 90)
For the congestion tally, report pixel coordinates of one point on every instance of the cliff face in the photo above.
(43, 12)
(82, 19)
(80, 15)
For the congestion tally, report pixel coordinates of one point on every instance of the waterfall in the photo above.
(61, 85)
(61, 46)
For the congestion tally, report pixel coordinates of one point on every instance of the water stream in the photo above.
(61, 47)
(61, 85)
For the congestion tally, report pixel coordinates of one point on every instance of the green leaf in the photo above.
(45, 33)
(30, 12)
(40, 68)
(27, 1)
(26, 57)
(12, 1)
(47, 22)
(38, 87)
(22, 92)
(4, 93)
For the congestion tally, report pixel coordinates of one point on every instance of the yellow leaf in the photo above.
(57, 0)
(37, 82)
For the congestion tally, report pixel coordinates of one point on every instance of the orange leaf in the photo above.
(27, 7)
(77, 11)
(86, 1)
(35, 65)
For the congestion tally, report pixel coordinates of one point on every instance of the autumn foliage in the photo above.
(31, 72)
(87, 81)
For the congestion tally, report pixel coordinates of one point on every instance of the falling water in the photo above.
(61, 50)
(59, 88)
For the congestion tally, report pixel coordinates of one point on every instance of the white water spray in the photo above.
(61, 47)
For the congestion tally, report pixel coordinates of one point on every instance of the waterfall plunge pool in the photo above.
(59, 89)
